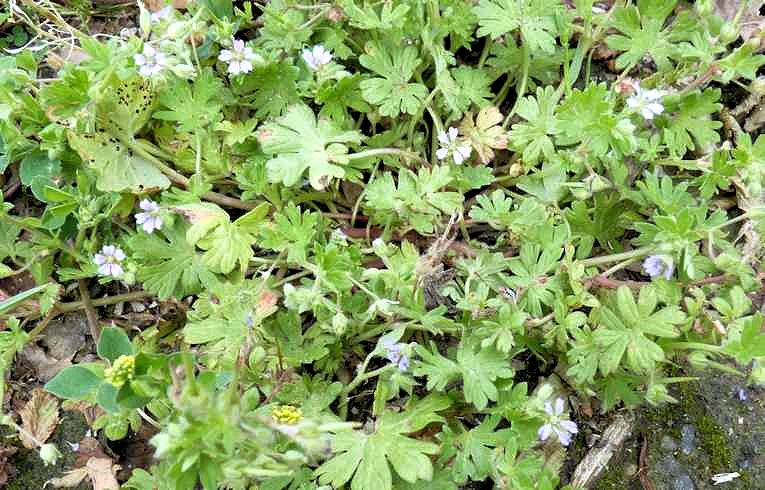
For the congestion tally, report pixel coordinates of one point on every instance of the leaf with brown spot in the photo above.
(39, 418)
(484, 133)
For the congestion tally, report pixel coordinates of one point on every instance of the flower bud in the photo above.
(121, 371)
(49, 454)
(704, 7)
(729, 33)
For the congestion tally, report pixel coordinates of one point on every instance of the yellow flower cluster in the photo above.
(287, 414)
(121, 372)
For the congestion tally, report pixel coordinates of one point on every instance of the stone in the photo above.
(683, 482)
(688, 439)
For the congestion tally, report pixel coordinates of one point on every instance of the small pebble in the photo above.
(688, 439)
(683, 482)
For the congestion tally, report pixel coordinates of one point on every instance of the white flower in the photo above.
(646, 102)
(317, 57)
(150, 61)
(239, 57)
(339, 236)
(378, 242)
(564, 429)
(450, 145)
(108, 261)
(150, 219)
(162, 14)
(725, 477)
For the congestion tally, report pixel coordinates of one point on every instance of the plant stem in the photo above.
(608, 259)
(521, 87)
(181, 180)
(108, 300)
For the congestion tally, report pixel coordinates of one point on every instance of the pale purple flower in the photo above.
(659, 265)
(150, 219)
(393, 354)
(646, 102)
(451, 146)
(562, 428)
(150, 61)
(239, 57)
(162, 14)
(317, 57)
(742, 394)
(108, 261)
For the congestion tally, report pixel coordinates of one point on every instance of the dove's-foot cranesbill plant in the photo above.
(377, 245)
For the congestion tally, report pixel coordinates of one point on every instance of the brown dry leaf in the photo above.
(101, 471)
(751, 22)
(103, 474)
(39, 417)
(70, 478)
(485, 133)
(6, 469)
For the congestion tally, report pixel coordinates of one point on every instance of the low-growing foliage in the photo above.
(399, 237)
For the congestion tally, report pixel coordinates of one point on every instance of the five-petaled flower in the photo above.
(450, 145)
(646, 102)
(393, 354)
(108, 261)
(239, 58)
(659, 265)
(150, 61)
(562, 428)
(317, 57)
(150, 219)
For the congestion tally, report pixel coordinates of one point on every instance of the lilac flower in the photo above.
(646, 102)
(450, 145)
(563, 429)
(659, 265)
(150, 219)
(239, 57)
(742, 394)
(317, 57)
(393, 354)
(108, 261)
(162, 14)
(150, 61)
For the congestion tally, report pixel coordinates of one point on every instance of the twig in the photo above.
(596, 460)
(90, 312)
(645, 481)
(108, 300)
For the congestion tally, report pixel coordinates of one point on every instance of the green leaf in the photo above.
(300, 142)
(643, 33)
(392, 91)
(169, 267)
(364, 459)
(470, 452)
(74, 383)
(192, 107)
(691, 122)
(117, 167)
(750, 343)
(629, 330)
(534, 137)
(114, 343)
(535, 18)
(478, 370)
(9, 304)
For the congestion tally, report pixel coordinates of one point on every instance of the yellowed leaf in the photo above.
(39, 418)
(484, 133)
(70, 479)
(103, 473)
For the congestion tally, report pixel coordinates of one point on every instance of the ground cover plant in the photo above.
(377, 245)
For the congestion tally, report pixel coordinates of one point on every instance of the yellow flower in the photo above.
(287, 414)
(121, 372)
